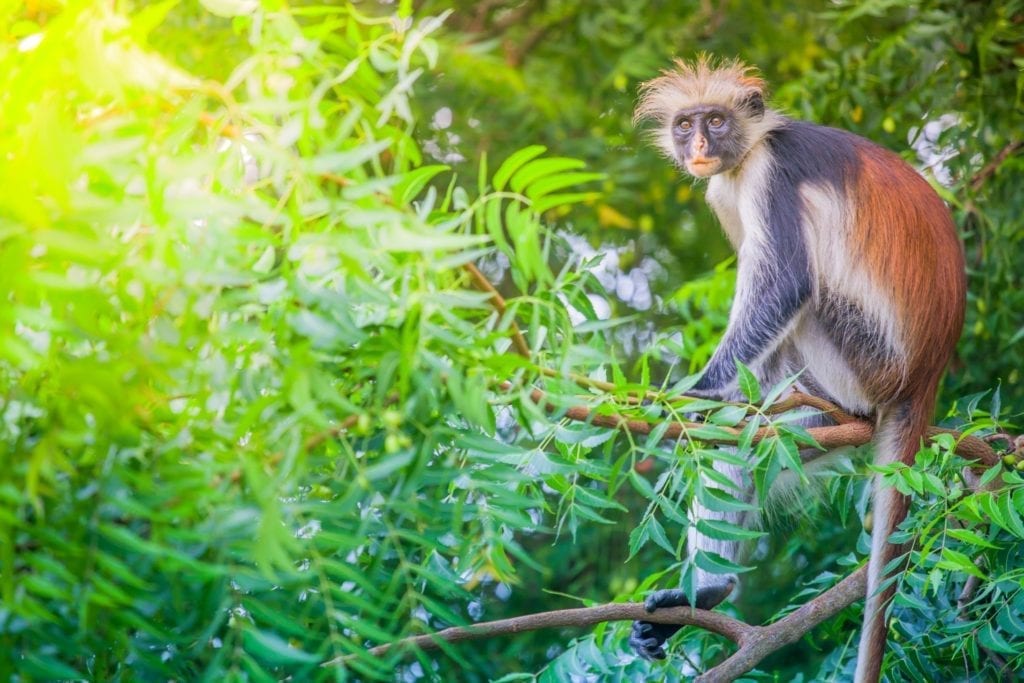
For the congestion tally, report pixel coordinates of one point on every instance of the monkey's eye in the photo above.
(685, 124)
(716, 121)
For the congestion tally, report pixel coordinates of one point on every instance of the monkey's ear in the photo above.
(753, 104)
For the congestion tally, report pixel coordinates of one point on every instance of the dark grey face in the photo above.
(708, 139)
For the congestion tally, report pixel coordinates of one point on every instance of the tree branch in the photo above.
(498, 301)
(855, 432)
(989, 169)
(789, 629)
(716, 622)
(755, 642)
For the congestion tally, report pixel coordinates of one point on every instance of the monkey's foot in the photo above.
(648, 639)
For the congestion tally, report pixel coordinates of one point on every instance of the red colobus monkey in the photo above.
(849, 272)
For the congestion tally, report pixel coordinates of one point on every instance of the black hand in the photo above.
(647, 638)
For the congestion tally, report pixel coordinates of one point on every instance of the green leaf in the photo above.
(746, 438)
(718, 500)
(230, 8)
(957, 561)
(1011, 514)
(394, 237)
(789, 454)
(993, 640)
(714, 563)
(642, 486)
(1010, 620)
(541, 168)
(657, 533)
(590, 498)
(970, 537)
(49, 668)
(748, 383)
(565, 199)
(546, 186)
(514, 163)
(274, 650)
(726, 531)
(711, 432)
(729, 416)
(700, 405)
(638, 538)
(413, 182)
(340, 163)
(386, 465)
(776, 391)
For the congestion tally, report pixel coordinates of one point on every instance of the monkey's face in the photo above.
(708, 140)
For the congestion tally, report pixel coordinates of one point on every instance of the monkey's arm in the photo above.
(772, 284)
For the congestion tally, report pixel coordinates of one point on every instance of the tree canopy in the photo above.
(325, 324)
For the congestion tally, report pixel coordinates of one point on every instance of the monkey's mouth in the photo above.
(703, 166)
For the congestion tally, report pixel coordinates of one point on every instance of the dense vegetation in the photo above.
(257, 413)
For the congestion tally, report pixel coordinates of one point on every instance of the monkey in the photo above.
(850, 274)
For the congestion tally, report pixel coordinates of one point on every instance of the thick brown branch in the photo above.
(767, 639)
(755, 642)
(716, 622)
(970, 447)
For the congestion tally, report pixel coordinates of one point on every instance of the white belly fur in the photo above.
(827, 367)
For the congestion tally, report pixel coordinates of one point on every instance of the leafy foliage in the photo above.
(258, 415)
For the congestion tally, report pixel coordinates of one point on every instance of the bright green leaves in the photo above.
(539, 179)
(413, 182)
(230, 8)
(525, 186)
(514, 163)
(274, 650)
(238, 351)
(726, 531)
(256, 415)
(650, 529)
(748, 383)
(958, 533)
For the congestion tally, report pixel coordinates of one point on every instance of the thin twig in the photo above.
(963, 603)
(331, 433)
(800, 399)
(498, 301)
(989, 169)
(966, 595)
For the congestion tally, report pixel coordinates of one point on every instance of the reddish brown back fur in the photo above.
(909, 224)
(908, 241)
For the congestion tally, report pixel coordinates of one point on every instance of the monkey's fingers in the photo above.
(670, 597)
(647, 639)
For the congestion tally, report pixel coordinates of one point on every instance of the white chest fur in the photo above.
(737, 198)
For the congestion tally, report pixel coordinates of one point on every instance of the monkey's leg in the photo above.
(773, 283)
(647, 638)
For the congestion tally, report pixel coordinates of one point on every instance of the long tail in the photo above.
(899, 432)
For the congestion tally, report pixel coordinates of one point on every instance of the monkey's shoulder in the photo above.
(811, 153)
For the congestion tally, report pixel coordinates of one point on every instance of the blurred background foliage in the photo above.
(252, 407)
